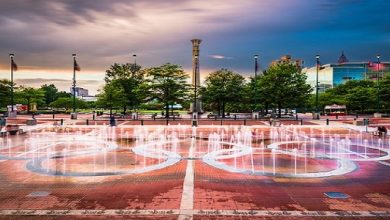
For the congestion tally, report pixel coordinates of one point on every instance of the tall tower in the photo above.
(197, 105)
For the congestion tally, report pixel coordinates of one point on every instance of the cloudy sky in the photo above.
(43, 34)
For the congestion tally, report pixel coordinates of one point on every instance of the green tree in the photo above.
(385, 92)
(361, 98)
(255, 93)
(130, 77)
(5, 92)
(221, 88)
(29, 95)
(168, 84)
(343, 94)
(63, 94)
(326, 98)
(285, 85)
(67, 103)
(112, 96)
(50, 93)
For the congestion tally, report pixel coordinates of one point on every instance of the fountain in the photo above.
(286, 151)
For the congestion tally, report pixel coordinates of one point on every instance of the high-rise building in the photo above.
(81, 92)
(288, 59)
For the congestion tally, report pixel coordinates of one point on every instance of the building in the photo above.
(330, 75)
(79, 91)
(288, 59)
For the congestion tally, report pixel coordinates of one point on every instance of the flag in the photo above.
(319, 67)
(375, 66)
(14, 66)
(76, 66)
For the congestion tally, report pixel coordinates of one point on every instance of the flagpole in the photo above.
(74, 84)
(12, 81)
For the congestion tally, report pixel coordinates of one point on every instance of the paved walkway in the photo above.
(187, 199)
(344, 125)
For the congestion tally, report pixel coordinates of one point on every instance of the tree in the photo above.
(285, 86)
(111, 96)
(221, 88)
(255, 93)
(5, 92)
(168, 84)
(361, 98)
(326, 98)
(50, 93)
(67, 103)
(385, 92)
(130, 77)
(29, 95)
(344, 94)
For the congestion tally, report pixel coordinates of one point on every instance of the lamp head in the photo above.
(256, 56)
(11, 55)
(378, 56)
(317, 56)
(74, 55)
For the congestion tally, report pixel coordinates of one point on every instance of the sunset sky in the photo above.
(43, 34)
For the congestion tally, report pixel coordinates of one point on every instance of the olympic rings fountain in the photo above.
(287, 151)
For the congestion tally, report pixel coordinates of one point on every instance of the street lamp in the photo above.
(255, 80)
(11, 55)
(377, 84)
(318, 66)
(135, 59)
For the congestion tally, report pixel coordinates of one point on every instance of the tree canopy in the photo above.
(168, 84)
(29, 95)
(284, 86)
(222, 87)
(130, 79)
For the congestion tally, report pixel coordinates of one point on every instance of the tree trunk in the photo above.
(110, 111)
(28, 106)
(167, 110)
(279, 109)
(223, 109)
(219, 108)
(124, 109)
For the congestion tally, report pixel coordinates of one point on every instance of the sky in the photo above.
(44, 34)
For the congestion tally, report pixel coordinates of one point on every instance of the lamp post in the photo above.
(135, 59)
(74, 87)
(377, 84)
(196, 87)
(255, 80)
(318, 66)
(12, 82)
(195, 110)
